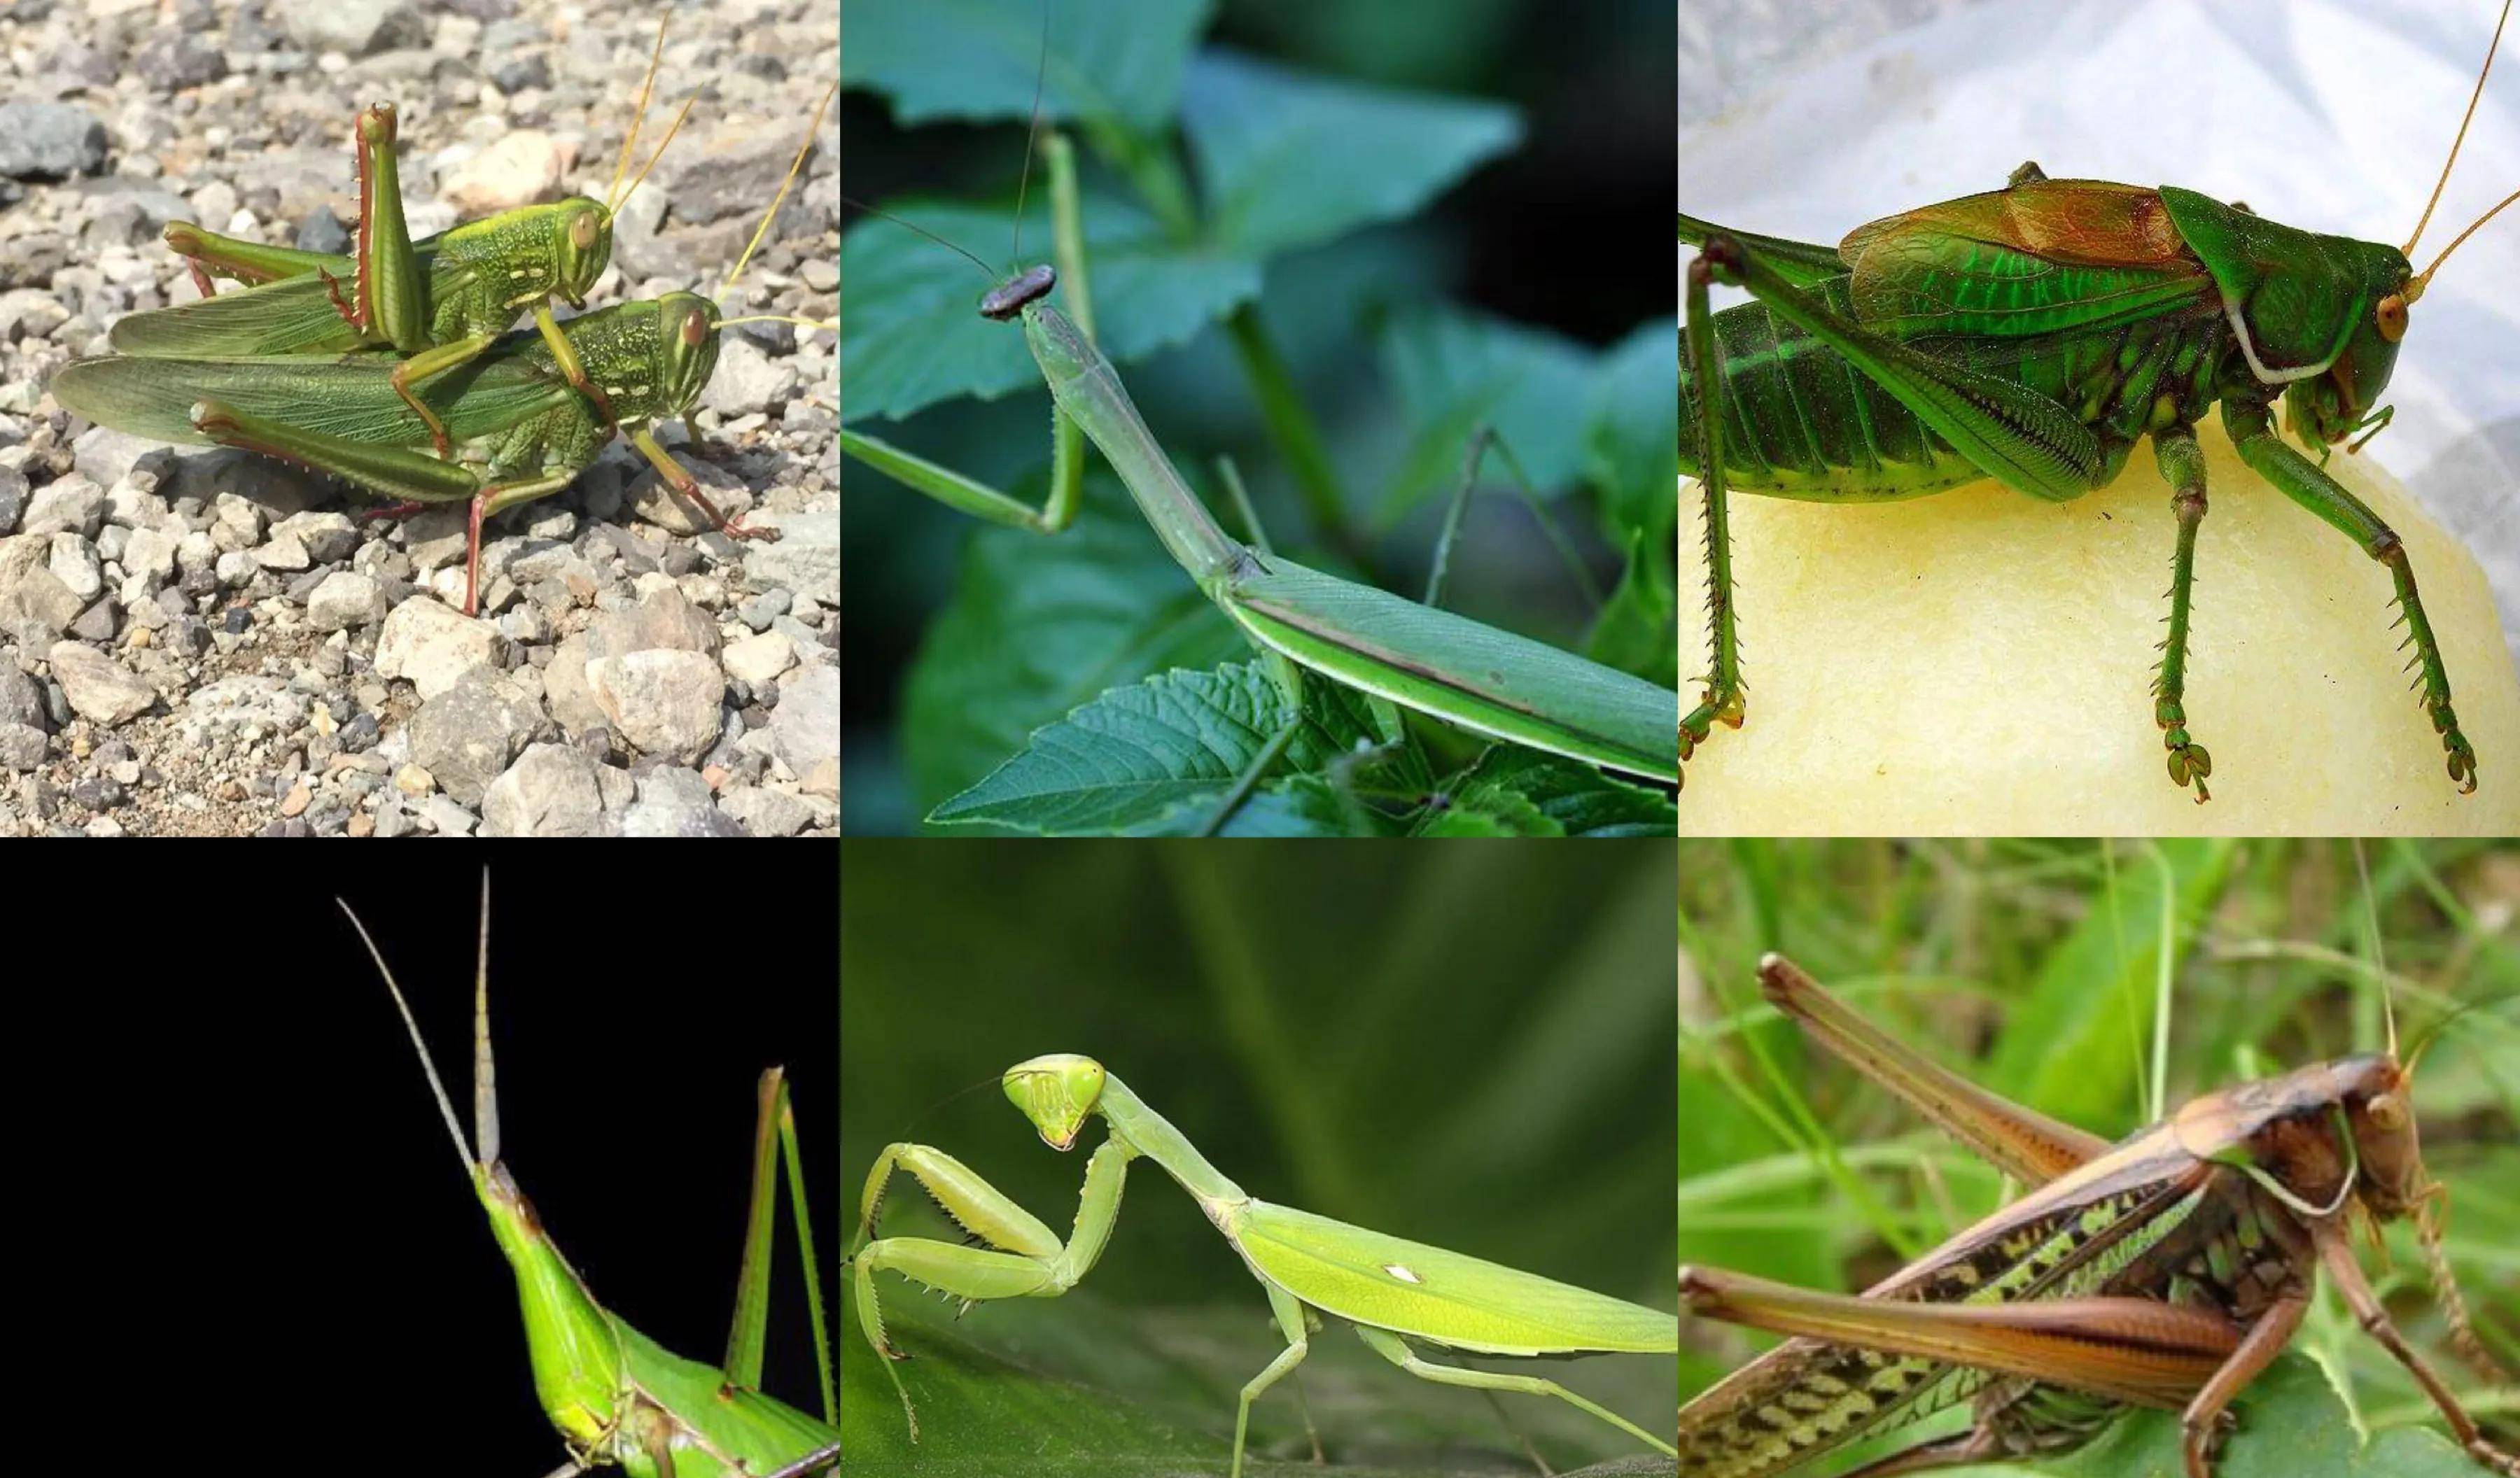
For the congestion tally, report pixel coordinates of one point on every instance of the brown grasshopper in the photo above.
(2165, 1271)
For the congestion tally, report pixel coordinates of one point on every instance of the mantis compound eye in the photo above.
(2392, 318)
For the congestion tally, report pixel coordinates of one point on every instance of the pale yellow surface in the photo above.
(1980, 664)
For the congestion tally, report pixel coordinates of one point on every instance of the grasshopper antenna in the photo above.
(428, 1065)
(485, 1075)
(1032, 133)
(2379, 950)
(630, 140)
(803, 148)
(2415, 289)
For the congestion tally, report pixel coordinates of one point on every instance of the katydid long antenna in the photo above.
(485, 1098)
(2415, 287)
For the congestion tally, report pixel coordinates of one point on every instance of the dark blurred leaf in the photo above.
(1157, 756)
(1638, 631)
(1632, 456)
(1455, 372)
(976, 61)
(1039, 625)
(1289, 159)
(1512, 791)
(2291, 1427)
(911, 332)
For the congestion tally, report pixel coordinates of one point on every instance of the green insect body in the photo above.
(517, 428)
(2035, 334)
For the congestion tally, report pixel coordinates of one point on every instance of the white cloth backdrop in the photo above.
(1805, 119)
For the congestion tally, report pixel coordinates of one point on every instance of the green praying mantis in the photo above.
(2167, 1271)
(503, 424)
(1399, 1294)
(619, 1398)
(1307, 624)
(2033, 335)
(439, 303)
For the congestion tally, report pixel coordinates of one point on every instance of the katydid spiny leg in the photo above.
(2301, 480)
(2182, 467)
(1724, 697)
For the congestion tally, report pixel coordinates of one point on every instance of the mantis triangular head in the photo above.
(1056, 1093)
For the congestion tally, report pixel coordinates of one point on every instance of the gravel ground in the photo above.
(214, 644)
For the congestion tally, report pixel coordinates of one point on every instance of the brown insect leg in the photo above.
(2257, 1350)
(1974, 1445)
(2338, 1255)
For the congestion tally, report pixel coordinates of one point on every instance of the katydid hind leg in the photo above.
(2301, 480)
(2182, 467)
(1723, 696)
(1396, 1350)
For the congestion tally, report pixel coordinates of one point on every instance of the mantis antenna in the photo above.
(1032, 132)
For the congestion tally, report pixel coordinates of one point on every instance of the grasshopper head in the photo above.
(2334, 405)
(2377, 1106)
(585, 247)
(1056, 1093)
(686, 349)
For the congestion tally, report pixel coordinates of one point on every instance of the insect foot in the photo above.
(2189, 764)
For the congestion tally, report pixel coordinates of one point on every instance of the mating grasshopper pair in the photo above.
(2165, 1271)
(393, 368)
(2033, 335)
(618, 1397)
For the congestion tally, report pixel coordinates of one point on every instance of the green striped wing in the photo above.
(1436, 1295)
(347, 396)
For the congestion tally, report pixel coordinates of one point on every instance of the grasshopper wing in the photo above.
(295, 315)
(351, 395)
(2035, 258)
(1439, 1296)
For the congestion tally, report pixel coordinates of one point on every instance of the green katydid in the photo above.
(440, 302)
(2168, 1270)
(1397, 1294)
(2033, 335)
(518, 429)
(618, 1397)
(1416, 655)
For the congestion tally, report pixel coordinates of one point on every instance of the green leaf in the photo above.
(1158, 756)
(976, 61)
(1289, 159)
(1631, 451)
(1513, 791)
(912, 333)
(2291, 1425)
(1454, 372)
(1038, 626)
(1638, 631)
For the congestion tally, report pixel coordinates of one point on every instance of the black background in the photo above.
(246, 1229)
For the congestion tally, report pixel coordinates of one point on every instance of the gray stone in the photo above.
(21, 700)
(551, 791)
(30, 313)
(759, 659)
(746, 379)
(656, 503)
(355, 27)
(23, 746)
(173, 60)
(805, 558)
(49, 141)
(100, 688)
(13, 494)
(807, 724)
(763, 812)
(663, 703)
(468, 734)
(72, 505)
(433, 646)
(676, 803)
(107, 455)
(343, 599)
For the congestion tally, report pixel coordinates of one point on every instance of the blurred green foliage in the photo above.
(2036, 967)
(1282, 208)
(1470, 1050)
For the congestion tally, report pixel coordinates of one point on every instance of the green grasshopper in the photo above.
(441, 302)
(518, 428)
(2033, 335)
(2165, 1270)
(618, 1397)
(1417, 657)
(1396, 1293)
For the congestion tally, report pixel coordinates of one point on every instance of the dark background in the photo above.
(1562, 232)
(239, 1194)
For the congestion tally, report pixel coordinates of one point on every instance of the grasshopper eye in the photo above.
(2388, 1113)
(582, 231)
(2392, 318)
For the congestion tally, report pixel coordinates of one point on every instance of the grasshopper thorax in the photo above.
(1008, 298)
(1056, 1093)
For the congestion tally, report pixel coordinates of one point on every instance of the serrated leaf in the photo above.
(1289, 159)
(911, 332)
(1157, 755)
(1038, 626)
(976, 61)
(1522, 792)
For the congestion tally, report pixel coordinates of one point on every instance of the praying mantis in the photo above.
(2167, 1270)
(2033, 335)
(616, 1397)
(1398, 1294)
(1317, 634)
